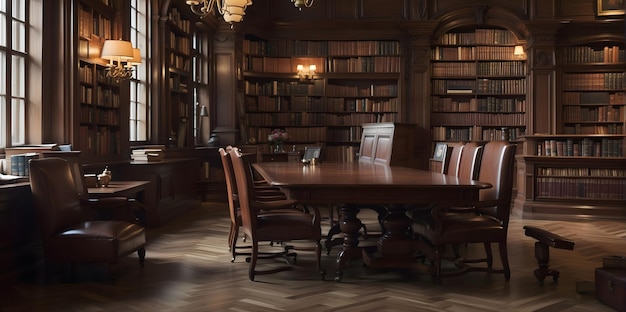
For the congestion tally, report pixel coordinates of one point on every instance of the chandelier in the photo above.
(232, 10)
(302, 3)
(122, 58)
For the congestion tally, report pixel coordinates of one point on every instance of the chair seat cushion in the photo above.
(96, 241)
(299, 225)
(459, 227)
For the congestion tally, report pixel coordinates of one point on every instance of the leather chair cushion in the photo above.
(273, 226)
(460, 227)
(96, 241)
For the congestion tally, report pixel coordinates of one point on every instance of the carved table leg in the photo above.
(350, 226)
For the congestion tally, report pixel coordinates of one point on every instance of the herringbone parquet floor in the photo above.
(188, 268)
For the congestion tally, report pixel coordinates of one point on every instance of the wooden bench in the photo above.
(545, 240)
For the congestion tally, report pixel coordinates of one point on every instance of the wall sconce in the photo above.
(232, 10)
(302, 3)
(518, 51)
(203, 113)
(308, 73)
(122, 58)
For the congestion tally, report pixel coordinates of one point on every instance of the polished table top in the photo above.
(367, 183)
(118, 188)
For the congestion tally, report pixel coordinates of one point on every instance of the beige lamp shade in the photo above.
(518, 51)
(136, 60)
(234, 10)
(117, 49)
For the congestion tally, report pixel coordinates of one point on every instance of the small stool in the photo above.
(542, 251)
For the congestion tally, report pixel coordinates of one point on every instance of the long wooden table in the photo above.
(352, 184)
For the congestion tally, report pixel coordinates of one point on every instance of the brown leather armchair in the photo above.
(69, 229)
(276, 226)
(486, 223)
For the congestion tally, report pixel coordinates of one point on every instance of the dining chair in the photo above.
(265, 199)
(453, 159)
(282, 226)
(486, 222)
(69, 227)
(469, 162)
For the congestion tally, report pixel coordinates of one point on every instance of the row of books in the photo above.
(179, 62)
(600, 113)
(351, 134)
(321, 48)
(581, 172)
(316, 119)
(93, 24)
(101, 117)
(318, 88)
(364, 64)
(481, 86)
(583, 188)
(180, 44)
(478, 53)
(479, 36)
(264, 104)
(357, 64)
(586, 147)
(438, 118)
(366, 105)
(107, 97)
(486, 105)
(85, 74)
(175, 17)
(465, 69)
(582, 55)
(98, 140)
(362, 90)
(593, 129)
(594, 97)
(275, 87)
(476, 133)
(20, 164)
(593, 81)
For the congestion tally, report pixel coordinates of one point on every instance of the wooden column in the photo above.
(225, 113)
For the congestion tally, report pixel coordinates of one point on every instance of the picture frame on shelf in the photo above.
(440, 151)
(610, 7)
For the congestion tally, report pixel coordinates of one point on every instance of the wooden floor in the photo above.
(188, 268)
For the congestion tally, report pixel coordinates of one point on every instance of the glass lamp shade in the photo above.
(117, 50)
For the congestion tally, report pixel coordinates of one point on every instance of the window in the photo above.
(13, 66)
(139, 106)
(200, 85)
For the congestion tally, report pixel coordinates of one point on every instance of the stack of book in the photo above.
(147, 154)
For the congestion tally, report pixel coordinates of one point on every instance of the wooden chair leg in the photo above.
(504, 258)
(141, 252)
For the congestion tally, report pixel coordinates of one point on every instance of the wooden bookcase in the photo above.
(99, 111)
(179, 78)
(355, 82)
(478, 86)
(580, 172)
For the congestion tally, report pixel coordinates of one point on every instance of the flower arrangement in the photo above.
(277, 136)
(276, 139)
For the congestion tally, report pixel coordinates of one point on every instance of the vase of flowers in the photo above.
(276, 138)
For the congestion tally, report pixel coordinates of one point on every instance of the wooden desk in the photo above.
(129, 189)
(367, 183)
